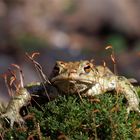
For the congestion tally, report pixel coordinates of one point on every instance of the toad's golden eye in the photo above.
(87, 68)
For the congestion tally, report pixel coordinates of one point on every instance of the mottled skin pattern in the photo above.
(89, 80)
(80, 77)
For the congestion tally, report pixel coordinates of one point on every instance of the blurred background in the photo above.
(69, 30)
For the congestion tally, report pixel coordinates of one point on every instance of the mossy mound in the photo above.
(70, 118)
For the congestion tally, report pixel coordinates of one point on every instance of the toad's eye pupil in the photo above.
(87, 69)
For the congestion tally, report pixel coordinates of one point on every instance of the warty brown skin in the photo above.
(89, 80)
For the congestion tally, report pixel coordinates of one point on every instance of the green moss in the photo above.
(103, 117)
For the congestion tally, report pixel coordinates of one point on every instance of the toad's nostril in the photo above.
(73, 71)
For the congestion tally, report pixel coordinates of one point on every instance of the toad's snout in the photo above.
(72, 73)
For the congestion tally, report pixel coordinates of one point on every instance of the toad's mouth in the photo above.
(72, 81)
(72, 85)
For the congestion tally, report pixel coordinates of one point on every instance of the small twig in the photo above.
(38, 67)
(13, 78)
(7, 85)
(80, 97)
(112, 58)
(21, 76)
(115, 68)
(39, 131)
(37, 103)
(1, 137)
(40, 71)
(4, 132)
(31, 137)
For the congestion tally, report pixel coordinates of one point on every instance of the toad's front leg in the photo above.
(124, 86)
(119, 84)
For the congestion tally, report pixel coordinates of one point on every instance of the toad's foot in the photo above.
(13, 117)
